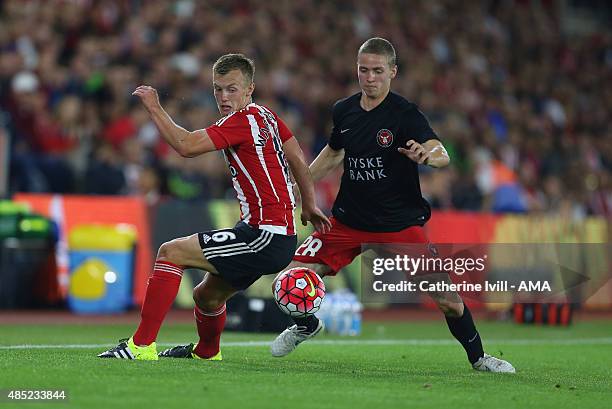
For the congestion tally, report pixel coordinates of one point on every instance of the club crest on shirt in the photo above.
(262, 138)
(384, 137)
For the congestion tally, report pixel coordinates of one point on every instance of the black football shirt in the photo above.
(380, 190)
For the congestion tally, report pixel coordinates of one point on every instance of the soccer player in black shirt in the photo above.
(380, 138)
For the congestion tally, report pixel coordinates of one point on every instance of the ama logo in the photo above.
(384, 137)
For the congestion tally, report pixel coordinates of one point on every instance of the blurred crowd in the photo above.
(523, 107)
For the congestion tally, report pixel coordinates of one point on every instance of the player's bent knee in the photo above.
(185, 252)
(207, 299)
(450, 308)
(170, 251)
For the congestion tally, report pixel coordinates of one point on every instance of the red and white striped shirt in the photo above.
(251, 140)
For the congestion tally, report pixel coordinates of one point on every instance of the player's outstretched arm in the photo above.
(310, 211)
(186, 143)
(431, 153)
(327, 160)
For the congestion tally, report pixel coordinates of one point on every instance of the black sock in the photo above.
(464, 330)
(310, 322)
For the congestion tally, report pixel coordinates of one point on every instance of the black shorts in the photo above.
(243, 254)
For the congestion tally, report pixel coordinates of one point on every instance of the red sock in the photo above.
(210, 325)
(161, 291)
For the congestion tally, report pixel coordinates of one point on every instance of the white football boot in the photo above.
(489, 363)
(290, 338)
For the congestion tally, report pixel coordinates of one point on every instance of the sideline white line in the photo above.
(342, 342)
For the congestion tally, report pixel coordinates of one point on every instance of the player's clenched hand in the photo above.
(415, 152)
(318, 219)
(148, 96)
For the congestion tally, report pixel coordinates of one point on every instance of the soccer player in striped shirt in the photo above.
(260, 152)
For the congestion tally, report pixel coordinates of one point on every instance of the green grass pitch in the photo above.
(391, 365)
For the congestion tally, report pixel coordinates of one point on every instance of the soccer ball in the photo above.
(299, 292)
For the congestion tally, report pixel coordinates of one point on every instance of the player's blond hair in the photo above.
(230, 62)
(379, 46)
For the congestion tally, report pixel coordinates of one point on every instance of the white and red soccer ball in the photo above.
(299, 292)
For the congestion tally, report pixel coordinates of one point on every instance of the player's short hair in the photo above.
(230, 62)
(379, 46)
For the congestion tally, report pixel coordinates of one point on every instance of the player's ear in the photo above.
(393, 71)
(250, 89)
